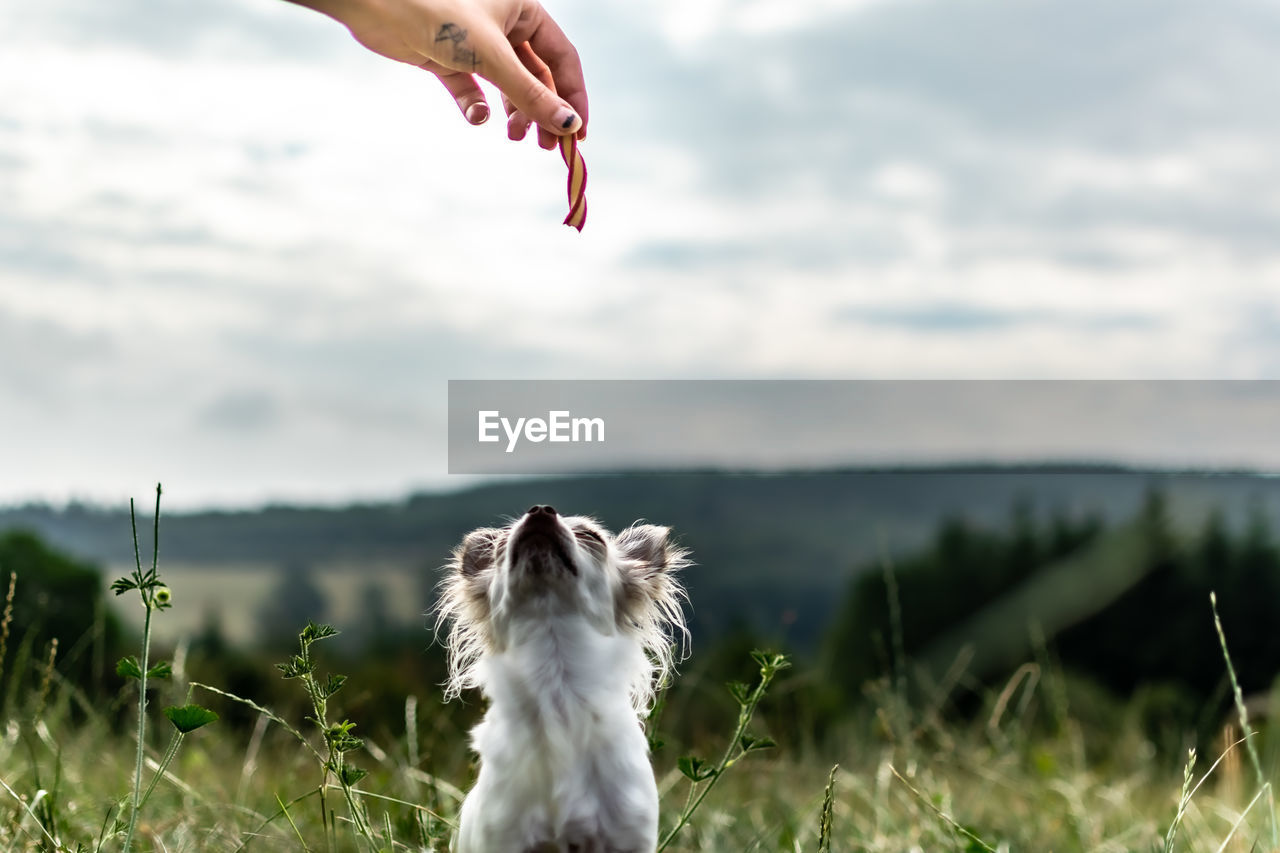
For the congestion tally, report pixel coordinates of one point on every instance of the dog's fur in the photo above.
(567, 630)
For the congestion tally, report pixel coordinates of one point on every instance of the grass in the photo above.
(1022, 772)
(951, 788)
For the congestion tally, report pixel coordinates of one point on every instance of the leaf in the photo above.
(750, 742)
(296, 667)
(741, 692)
(129, 667)
(160, 670)
(769, 661)
(697, 769)
(346, 743)
(122, 585)
(313, 632)
(188, 718)
(340, 738)
(351, 775)
(333, 685)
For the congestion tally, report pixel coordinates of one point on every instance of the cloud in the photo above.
(1008, 140)
(227, 28)
(958, 317)
(40, 359)
(237, 246)
(242, 410)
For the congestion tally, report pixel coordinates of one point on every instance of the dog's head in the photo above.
(545, 566)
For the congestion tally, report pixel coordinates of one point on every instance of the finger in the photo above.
(550, 43)
(517, 122)
(518, 125)
(538, 69)
(533, 62)
(530, 96)
(466, 93)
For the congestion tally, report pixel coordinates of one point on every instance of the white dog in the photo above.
(566, 629)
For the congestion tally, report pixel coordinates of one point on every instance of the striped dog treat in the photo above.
(577, 182)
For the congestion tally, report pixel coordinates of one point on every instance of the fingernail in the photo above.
(478, 113)
(566, 119)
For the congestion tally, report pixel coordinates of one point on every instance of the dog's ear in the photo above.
(647, 598)
(646, 544)
(649, 559)
(464, 605)
(477, 552)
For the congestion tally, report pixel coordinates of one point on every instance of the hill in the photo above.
(775, 551)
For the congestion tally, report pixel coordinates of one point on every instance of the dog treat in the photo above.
(577, 182)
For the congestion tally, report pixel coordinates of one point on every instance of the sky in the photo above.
(242, 255)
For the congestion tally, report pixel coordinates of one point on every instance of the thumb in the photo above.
(530, 95)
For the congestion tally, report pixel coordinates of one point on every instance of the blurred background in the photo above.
(241, 255)
(942, 575)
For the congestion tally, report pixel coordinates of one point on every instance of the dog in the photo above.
(567, 630)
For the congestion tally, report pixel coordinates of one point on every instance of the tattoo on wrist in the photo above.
(463, 55)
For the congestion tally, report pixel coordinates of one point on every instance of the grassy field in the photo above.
(1039, 762)
(1042, 766)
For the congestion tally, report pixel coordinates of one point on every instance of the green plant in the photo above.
(155, 597)
(7, 619)
(702, 775)
(338, 739)
(1264, 786)
(1184, 800)
(827, 815)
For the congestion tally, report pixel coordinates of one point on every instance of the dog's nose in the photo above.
(541, 509)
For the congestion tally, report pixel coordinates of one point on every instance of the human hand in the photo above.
(513, 44)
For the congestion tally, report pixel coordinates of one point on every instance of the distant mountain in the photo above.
(774, 551)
